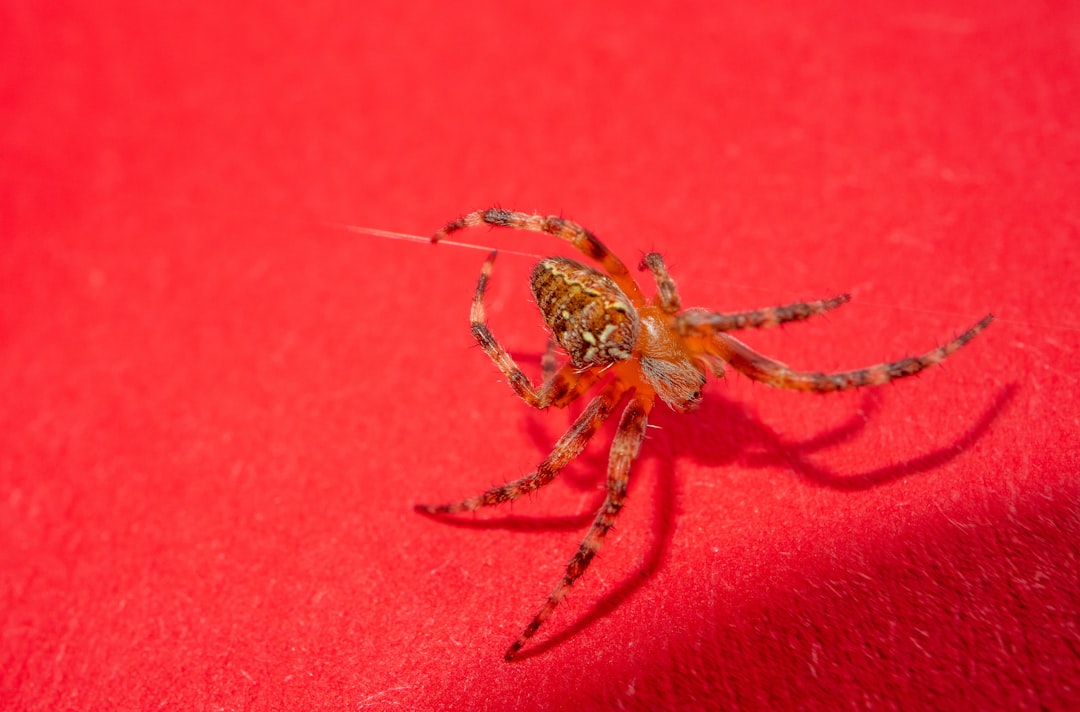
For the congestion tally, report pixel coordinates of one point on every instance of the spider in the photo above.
(640, 350)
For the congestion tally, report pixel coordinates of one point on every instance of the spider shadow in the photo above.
(752, 443)
(747, 439)
(722, 432)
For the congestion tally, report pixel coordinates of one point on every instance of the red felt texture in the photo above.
(219, 406)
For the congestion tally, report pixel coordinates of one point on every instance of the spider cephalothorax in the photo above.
(645, 349)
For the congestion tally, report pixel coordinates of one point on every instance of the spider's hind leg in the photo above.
(585, 242)
(558, 388)
(624, 449)
(566, 449)
(548, 364)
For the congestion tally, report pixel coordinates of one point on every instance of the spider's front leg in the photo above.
(559, 387)
(667, 294)
(773, 373)
(624, 449)
(700, 321)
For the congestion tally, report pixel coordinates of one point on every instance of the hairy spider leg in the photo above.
(773, 373)
(548, 364)
(624, 449)
(566, 449)
(586, 242)
(558, 388)
(667, 294)
(699, 321)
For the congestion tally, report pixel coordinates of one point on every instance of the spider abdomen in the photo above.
(589, 316)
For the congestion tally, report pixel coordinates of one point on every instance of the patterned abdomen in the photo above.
(589, 316)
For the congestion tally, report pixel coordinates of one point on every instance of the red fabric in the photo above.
(218, 409)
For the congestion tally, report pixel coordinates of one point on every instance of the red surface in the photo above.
(218, 411)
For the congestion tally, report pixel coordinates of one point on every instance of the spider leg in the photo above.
(773, 373)
(699, 321)
(548, 364)
(667, 294)
(624, 449)
(559, 389)
(579, 381)
(566, 449)
(575, 234)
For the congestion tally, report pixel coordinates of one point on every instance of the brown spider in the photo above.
(645, 349)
